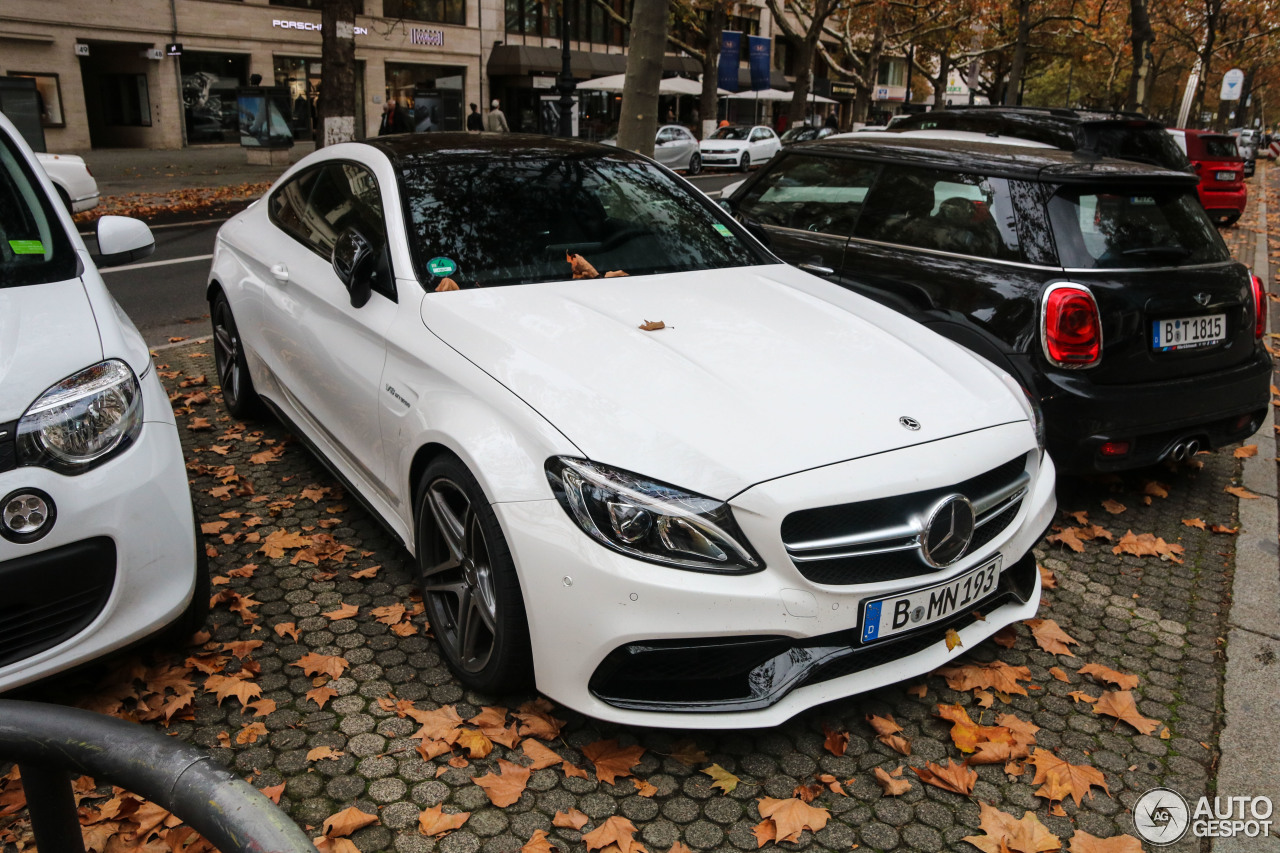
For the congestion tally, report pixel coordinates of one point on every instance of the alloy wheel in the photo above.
(226, 351)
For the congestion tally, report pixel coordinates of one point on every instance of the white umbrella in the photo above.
(612, 83)
(669, 86)
(819, 99)
(762, 95)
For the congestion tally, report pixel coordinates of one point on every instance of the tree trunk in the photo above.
(871, 75)
(710, 69)
(638, 123)
(337, 105)
(805, 53)
(940, 82)
(1014, 83)
(1140, 38)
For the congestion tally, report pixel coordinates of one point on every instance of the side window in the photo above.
(811, 193)
(666, 135)
(952, 212)
(287, 204)
(757, 135)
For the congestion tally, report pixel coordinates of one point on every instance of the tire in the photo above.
(695, 164)
(745, 163)
(469, 582)
(229, 362)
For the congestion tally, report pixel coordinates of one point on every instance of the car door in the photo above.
(327, 354)
(667, 148)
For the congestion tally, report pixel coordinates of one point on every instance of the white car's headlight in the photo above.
(650, 520)
(83, 420)
(727, 151)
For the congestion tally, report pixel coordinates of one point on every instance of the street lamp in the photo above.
(565, 83)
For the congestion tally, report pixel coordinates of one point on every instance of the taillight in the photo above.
(1259, 308)
(1070, 329)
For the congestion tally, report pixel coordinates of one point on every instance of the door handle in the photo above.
(817, 269)
(280, 272)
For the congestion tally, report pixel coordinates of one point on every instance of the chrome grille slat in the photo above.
(984, 504)
(905, 531)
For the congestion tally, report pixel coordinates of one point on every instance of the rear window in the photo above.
(1219, 146)
(1145, 144)
(1128, 228)
(34, 249)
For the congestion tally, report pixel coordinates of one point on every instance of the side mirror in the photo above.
(122, 240)
(354, 261)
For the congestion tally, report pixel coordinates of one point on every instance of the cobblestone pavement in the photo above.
(1159, 619)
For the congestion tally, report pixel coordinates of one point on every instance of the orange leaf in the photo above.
(446, 285)
(346, 611)
(1147, 545)
(836, 742)
(892, 787)
(223, 686)
(952, 640)
(581, 269)
(250, 733)
(643, 788)
(1050, 637)
(1112, 506)
(536, 720)
(721, 778)
(1004, 834)
(1062, 779)
(320, 753)
(996, 675)
(321, 695)
(347, 821)
(279, 540)
(652, 325)
(318, 664)
(1238, 491)
(1246, 451)
(273, 792)
(792, 817)
(1057, 673)
(475, 743)
(437, 824)
(364, 573)
(612, 760)
(687, 753)
(1121, 705)
(1122, 680)
(1197, 523)
(1083, 842)
(616, 830)
(572, 819)
(1222, 528)
(286, 629)
(506, 787)
(1081, 696)
(1155, 489)
(539, 843)
(957, 778)
(541, 755)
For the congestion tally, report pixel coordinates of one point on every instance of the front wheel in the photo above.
(745, 163)
(229, 361)
(469, 582)
(695, 163)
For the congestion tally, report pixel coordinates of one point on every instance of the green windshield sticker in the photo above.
(27, 247)
(724, 230)
(442, 266)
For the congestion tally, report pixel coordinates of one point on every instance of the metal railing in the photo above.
(50, 742)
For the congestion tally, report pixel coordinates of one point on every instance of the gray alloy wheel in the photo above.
(695, 164)
(469, 583)
(228, 358)
(745, 163)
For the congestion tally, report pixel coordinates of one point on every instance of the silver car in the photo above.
(674, 147)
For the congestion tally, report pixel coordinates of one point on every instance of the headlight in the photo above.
(727, 151)
(649, 520)
(82, 420)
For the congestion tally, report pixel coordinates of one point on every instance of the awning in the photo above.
(518, 60)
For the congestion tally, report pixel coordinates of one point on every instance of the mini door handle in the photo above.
(817, 270)
(280, 272)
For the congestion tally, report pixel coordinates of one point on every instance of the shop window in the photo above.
(209, 82)
(125, 100)
(436, 11)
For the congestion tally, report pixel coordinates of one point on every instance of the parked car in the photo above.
(1217, 161)
(98, 548)
(1247, 142)
(738, 146)
(1127, 136)
(1099, 283)
(805, 133)
(675, 147)
(640, 461)
(72, 179)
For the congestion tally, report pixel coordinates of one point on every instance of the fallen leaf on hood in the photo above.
(1121, 705)
(504, 788)
(616, 830)
(1104, 673)
(721, 778)
(437, 824)
(652, 325)
(445, 285)
(582, 268)
(958, 778)
(892, 787)
(615, 274)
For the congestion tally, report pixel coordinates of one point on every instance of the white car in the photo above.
(642, 463)
(98, 547)
(738, 146)
(72, 179)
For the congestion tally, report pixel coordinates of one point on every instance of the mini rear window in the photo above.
(1135, 227)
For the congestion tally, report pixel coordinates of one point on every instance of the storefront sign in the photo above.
(173, 48)
(312, 27)
(428, 37)
(837, 89)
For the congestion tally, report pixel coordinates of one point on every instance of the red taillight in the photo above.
(1114, 448)
(1072, 331)
(1259, 308)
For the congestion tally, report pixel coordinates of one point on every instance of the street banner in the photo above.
(758, 54)
(730, 58)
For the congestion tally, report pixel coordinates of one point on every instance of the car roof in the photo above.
(409, 149)
(991, 158)
(1063, 115)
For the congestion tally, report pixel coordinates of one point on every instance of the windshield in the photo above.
(33, 247)
(484, 221)
(731, 133)
(1134, 227)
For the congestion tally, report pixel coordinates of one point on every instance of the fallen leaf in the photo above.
(952, 640)
(966, 734)
(1103, 673)
(346, 611)
(892, 787)
(1004, 834)
(721, 778)
(612, 760)
(250, 733)
(539, 843)
(347, 821)
(572, 819)
(372, 571)
(224, 686)
(273, 792)
(616, 830)
(504, 788)
(1006, 637)
(1240, 492)
(321, 695)
(996, 675)
(1061, 779)
(1121, 705)
(320, 753)
(263, 707)
(1081, 696)
(1245, 452)
(957, 778)
(1050, 637)
(286, 629)
(446, 285)
(836, 742)
(1194, 522)
(435, 823)
(1222, 528)
(1113, 506)
(1057, 673)
(1083, 842)
(887, 732)
(581, 267)
(313, 663)
(536, 720)
(918, 690)
(792, 817)
(1148, 545)
(476, 743)
(643, 788)
(687, 753)
(1155, 489)
(652, 325)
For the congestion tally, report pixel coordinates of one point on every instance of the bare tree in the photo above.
(802, 23)
(638, 123)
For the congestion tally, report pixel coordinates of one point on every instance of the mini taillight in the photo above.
(1070, 328)
(1259, 308)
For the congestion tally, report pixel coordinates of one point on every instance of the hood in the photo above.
(760, 372)
(43, 340)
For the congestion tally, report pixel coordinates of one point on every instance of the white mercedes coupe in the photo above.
(642, 464)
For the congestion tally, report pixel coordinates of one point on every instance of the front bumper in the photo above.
(117, 565)
(717, 158)
(585, 602)
(1217, 409)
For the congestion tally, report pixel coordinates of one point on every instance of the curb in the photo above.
(1251, 692)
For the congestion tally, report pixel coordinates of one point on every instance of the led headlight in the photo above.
(82, 420)
(650, 520)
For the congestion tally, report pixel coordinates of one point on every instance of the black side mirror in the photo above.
(354, 261)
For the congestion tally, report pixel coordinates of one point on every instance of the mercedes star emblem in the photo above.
(1203, 299)
(910, 423)
(948, 531)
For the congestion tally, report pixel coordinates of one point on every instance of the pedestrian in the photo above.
(832, 122)
(671, 116)
(475, 121)
(496, 121)
(394, 118)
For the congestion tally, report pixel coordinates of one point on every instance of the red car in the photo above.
(1217, 161)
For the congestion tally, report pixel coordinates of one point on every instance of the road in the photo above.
(164, 295)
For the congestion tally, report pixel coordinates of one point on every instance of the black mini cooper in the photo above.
(1100, 284)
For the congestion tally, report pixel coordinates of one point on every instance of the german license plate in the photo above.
(907, 611)
(1188, 332)
(1224, 176)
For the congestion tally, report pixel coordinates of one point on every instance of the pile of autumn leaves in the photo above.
(193, 200)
